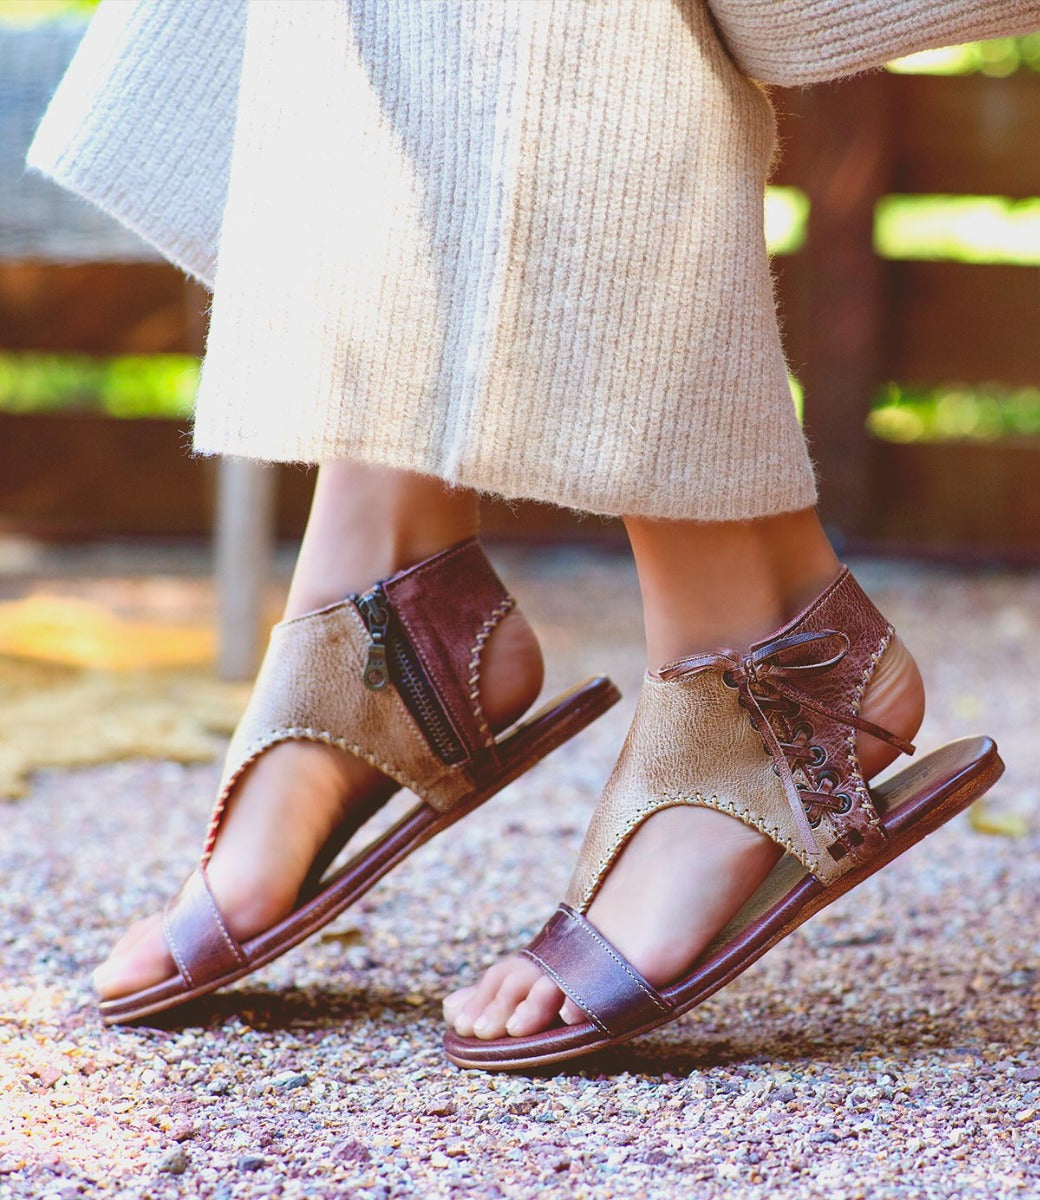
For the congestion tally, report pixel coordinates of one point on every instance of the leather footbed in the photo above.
(518, 750)
(911, 805)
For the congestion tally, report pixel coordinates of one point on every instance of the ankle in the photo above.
(726, 584)
(368, 523)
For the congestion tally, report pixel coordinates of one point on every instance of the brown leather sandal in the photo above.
(770, 739)
(393, 677)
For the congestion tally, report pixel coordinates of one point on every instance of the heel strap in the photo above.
(449, 605)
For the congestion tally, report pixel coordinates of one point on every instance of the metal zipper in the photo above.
(391, 658)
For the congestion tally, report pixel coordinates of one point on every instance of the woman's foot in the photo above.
(297, 793)
(682, 876)
(686, 871)
(288, 806)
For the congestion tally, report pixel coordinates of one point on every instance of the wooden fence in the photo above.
(852, 322)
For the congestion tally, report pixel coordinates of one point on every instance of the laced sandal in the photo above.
(769, 738)
(392, 677)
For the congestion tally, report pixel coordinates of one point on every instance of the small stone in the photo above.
(441, 1106)
(1027, 1075)
(353, 1152)
(251, 1162)
(656, 1158)
(182, 1130)
(1027, 1114)
(439, 1160)
(288, 1080)
(174, 1161)
(218, 1087)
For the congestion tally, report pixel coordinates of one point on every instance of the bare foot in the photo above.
(287, 807)
(681, 877)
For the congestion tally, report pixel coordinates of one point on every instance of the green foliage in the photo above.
(161, 385)
(982, 413)
(32, 12)
(975, 229)
(999, 57)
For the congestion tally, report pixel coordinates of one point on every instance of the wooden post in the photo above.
(842, 161)
(243, 535)
(244, 541)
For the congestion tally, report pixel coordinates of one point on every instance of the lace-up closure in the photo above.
(767, 681)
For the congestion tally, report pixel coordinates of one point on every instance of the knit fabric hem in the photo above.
(793, 491)
(792, 43)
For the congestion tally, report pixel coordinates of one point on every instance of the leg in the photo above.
(703, 585)
(365, 524)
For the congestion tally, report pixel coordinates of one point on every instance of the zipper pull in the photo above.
(376, 674)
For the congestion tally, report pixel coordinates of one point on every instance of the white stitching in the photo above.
(296, 733)
(661, 803)
(586, 927)
(569, 990)
(496, 615)
(168, 934)
(225, 932)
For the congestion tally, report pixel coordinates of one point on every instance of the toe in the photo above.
(479, 998)
(137, 931)
(571, 1013)
(538, 1011)
(139, 959)
(455, 1001)
(514, 990)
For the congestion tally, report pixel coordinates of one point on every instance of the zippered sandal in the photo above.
(769, 738)
(393, 677)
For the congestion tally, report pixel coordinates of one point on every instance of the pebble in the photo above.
(287, 1081)
(854, 1060)
(174, 1161)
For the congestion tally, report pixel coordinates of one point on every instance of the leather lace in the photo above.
(766, 679)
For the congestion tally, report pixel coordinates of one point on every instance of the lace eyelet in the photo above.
(818, 756)
(846, 803)
(729, 679)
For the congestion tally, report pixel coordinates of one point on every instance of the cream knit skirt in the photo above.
(516, 244)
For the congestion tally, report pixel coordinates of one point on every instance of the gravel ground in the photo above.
(887, 1049)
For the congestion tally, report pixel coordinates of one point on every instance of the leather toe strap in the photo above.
(200, 942)
(595, 974)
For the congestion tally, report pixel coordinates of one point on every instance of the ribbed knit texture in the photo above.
(143, 122)
(516, 244)
(790, 42)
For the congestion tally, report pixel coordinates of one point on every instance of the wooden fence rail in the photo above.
(852, 320)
